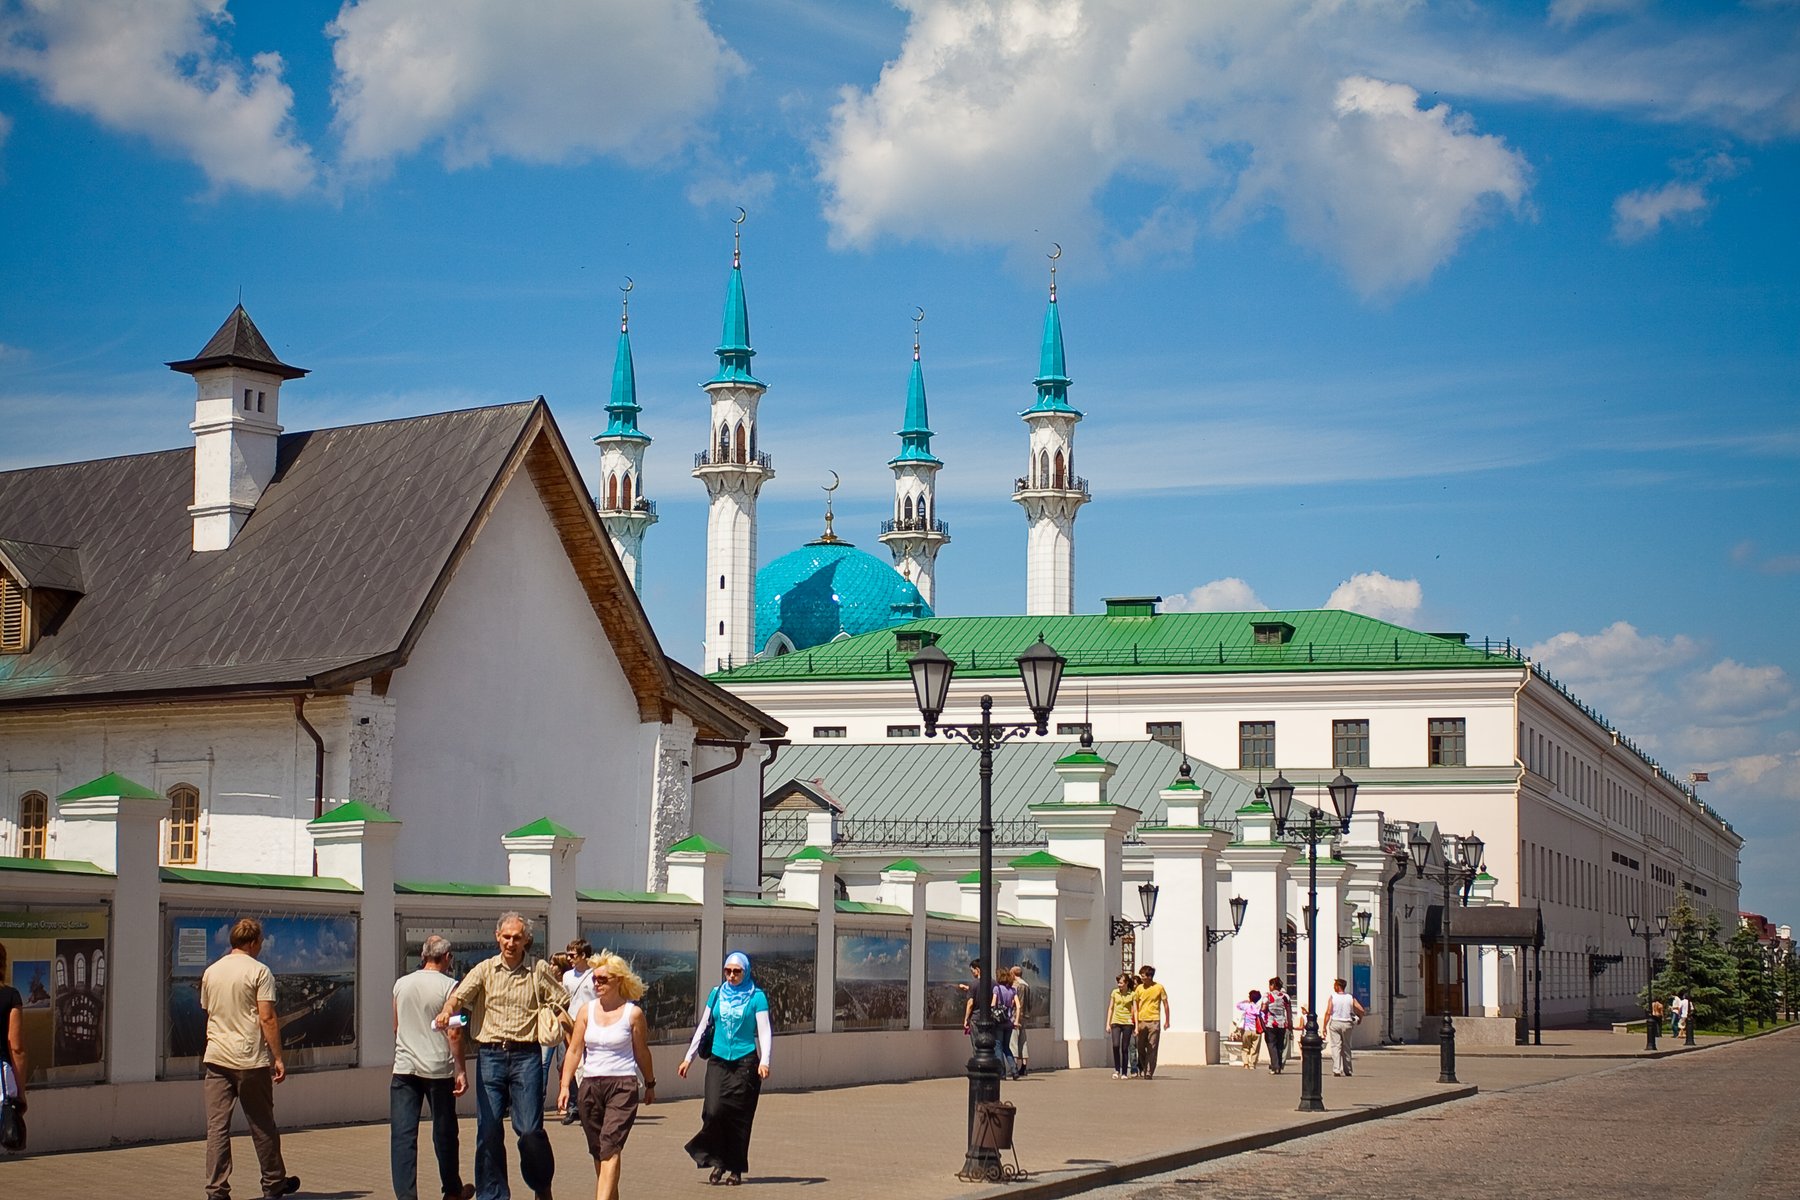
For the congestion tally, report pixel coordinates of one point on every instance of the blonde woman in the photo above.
(613, 1041)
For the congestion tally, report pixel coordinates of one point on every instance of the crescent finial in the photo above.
(625, 305)
(835, 481)
(1057, 253)
(629, 284)
(741, 217)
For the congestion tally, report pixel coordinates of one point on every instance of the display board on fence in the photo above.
(947, 980)
(667, 958)
(313, 958)
(1035, 958)
(56, 958)
(873, 971)
(471, 940)
(784, 961)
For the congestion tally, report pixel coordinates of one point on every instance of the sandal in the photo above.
(718, 1173)
(733, 1179)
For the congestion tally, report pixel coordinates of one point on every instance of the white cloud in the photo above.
(158, 69)
(1380, 596)
(1728, 688)
(1008, 121)
(1639, 214)
(1221, 595)
(552, 81)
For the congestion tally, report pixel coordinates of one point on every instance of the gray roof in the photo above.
(35, 565)
(237, 343)
(333, 567)
(938, 781)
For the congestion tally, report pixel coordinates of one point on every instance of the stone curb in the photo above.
(1081, 1181)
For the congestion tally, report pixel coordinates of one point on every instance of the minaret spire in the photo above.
(733, 471)
(914, 535)
(624, 509)
(1050, 492)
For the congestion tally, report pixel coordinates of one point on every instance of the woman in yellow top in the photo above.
(1120, 1021)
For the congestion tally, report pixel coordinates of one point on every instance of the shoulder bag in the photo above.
(705, 1049)
(12, 1112)
(554, 1024)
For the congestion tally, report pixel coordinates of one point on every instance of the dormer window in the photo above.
(15, 617)
(911, 641)
(1272, 633)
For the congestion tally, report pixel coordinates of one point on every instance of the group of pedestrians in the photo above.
(1262, 1022)
(1010, 1004)
(513, 1009)
(1138, 1011)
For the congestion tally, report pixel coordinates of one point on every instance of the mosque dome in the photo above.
(828, 589)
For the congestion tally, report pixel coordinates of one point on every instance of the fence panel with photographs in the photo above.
(471, 939)
(56, 958)
(874, 968)
(947, 978)
(784, 962)
(666, 956)
(313, 958)
(1034, 957)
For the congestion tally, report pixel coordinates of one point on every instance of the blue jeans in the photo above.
(510, 1079)
(406, 1095)
(1003, 1051)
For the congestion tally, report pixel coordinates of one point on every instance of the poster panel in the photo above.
(947, 960)
(784, 963)
(471, 940)
(666, 957)
(1035, 958)
(56, 958)
(313, 958)
(873, 970)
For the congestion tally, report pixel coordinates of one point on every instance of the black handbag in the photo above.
(12, 1127)
(705, 1049)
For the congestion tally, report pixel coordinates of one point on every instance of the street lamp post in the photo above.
(1461, 874)
(1040, 669)
(1632, 922)
(1316, 825)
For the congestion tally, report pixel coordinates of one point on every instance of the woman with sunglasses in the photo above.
(611, 1046)
(736, 1025)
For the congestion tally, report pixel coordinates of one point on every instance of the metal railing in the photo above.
(789, 829)
(1070, 483)
(715, 458)
(639, 505)
(915, 525)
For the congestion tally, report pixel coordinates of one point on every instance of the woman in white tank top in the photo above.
(614, 1044)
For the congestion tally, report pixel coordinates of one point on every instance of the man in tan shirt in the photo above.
(242, 1062)
(505, 993)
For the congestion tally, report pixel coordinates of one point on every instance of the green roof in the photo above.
(637, 897)
(697, 845)
(544, 827)
(812, 854)
(1040, 858)
(256, 879)
(1082, 757)
(948, 916)
(972, 877)
(870, 906)
(54, 866)
(1166, 644)
(436, 887)
(113, 784)
(765, 902)
(905, 864)
(355, 810)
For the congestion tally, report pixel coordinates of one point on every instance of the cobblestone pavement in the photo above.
(1720, 1125)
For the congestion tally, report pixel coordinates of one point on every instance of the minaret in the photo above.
(915, 534)
(1050, 491)
(733, 471)
(236, 427)
(624, 509)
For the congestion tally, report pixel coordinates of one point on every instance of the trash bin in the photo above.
(994, 1125)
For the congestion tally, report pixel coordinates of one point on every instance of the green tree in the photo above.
(1750, 985)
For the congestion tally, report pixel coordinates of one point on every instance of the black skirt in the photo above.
(732, 1090)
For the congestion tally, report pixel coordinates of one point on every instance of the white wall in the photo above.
(514, 707)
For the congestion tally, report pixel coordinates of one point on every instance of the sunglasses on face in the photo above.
(734, 970)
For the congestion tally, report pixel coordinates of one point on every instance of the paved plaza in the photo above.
(1589, 1098)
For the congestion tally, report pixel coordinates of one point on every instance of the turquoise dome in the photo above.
(828, 588)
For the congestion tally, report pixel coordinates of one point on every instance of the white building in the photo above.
(423, 614)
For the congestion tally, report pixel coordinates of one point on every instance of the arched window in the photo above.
(81, 970)
(34, 824)
(612, 491)
(1056, 476)
(1043, 471)
(906, 511)
(625, 493)
(753, 442)
(99, 969)
(724, 442)
(741, 445)
(1292, 959)
(184, 824)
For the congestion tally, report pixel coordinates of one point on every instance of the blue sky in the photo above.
(1473, 317)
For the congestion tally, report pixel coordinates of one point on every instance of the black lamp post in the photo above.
(1041, 669)
(1147, 893)
(1314, 826)
(1460, 874)
(1362, 920)
(1215, 936)
(1632, 922)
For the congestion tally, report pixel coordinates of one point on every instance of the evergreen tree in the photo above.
(1711, 976)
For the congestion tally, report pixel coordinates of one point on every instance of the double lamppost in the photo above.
(1041, 669)
(1640, 927)
(1309, 831)
(1462, 863)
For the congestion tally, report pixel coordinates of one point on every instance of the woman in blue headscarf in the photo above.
(736, 1026)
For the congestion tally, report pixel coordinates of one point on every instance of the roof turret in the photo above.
(734, 343)
(238, 343)
(915, 433)
(622, 409)
(1053, 374)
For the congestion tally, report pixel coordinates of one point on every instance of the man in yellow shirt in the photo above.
(1152, 1001)
(243, 1062)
